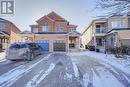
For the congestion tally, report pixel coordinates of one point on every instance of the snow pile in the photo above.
(123, 64)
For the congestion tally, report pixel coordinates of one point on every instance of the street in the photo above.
(62, 70)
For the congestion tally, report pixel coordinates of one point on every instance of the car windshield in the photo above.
(32, 45)
(23, 46)
(16, 46)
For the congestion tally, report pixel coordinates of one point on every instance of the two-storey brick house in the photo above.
(107, 33)
(54, 33)
(9, 33)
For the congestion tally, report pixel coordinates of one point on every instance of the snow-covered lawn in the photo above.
(122, 64)
(2, 56)
(99, 69)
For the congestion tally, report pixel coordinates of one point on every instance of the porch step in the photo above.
(74, 50)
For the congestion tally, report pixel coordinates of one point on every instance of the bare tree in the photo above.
(114, 7)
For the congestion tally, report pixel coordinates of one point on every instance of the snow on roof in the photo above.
(1, 19)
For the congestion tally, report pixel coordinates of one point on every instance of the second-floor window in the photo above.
(35, 30)
(59, 29)
(45, 28)
(71, 29)
(118, 24)
(2, 25)
(98, 27)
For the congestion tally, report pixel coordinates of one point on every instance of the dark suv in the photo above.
(91, 48)
(23, 51)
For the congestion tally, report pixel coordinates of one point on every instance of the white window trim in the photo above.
(57, 30)
(45, 28)
(3, 25)
(118, 24)
(35, 30)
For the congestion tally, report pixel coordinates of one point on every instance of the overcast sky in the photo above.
(78, 12)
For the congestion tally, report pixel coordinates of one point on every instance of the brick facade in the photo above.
(53, 20)
(107, 32)
(12, 34)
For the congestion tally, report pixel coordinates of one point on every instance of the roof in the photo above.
(4, 33)
(35, 25)
(74, 33)
(4, 20)
(53, 17)
(51, 33)
(100, 19)
(1, 19)
(118, 29)
(116, 15)
(72, 25)
(26, 32)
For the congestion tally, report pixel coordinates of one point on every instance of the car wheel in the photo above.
(30, 56)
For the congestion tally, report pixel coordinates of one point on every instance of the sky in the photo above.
(78, 12)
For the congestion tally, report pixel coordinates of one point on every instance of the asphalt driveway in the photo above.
(62, 70)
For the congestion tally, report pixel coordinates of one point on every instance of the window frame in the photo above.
(72, 29)
(2, 25)
(58, 28)
(35, 30)
(98, 28)
(118, 24)
(45, 28)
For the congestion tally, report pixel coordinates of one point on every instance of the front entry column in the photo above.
(78, 42)
(68, 42)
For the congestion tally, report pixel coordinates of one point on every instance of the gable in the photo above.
(55, 16)
(75, 33)
(44, 19)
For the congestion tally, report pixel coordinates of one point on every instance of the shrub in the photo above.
(118, 51)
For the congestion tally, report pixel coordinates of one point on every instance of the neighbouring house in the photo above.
(27, 36)
(105, 33)
(9, 33)
(54, 33)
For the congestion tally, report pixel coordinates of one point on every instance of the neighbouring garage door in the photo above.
(44, 44)
(59, 45)
(125, 42)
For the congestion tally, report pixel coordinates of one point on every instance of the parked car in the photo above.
(23, 51)
(128, 51)
(91, 48)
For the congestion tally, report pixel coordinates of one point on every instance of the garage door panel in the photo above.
(44, 45)
(59, 46)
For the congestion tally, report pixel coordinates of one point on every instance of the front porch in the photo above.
(74, 41)
(99, 43)
(4, 40)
